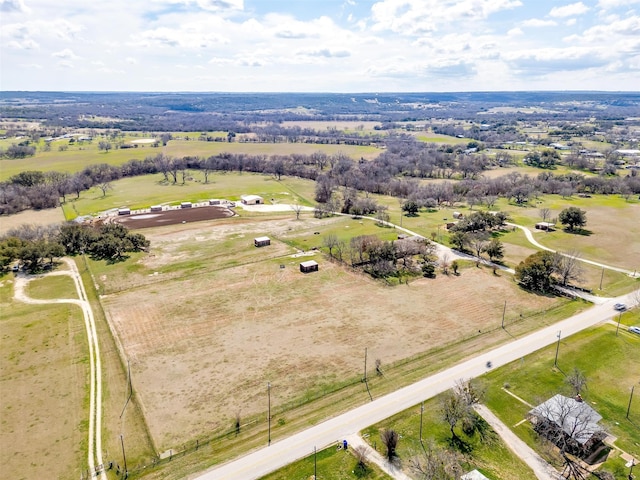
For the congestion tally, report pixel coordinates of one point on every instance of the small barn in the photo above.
(214, 202)
(457, 215)
(124, 211)
(545, 225)
(261, 241)
(251, 199)
(309, 266)
(186, 205)
(156, 208)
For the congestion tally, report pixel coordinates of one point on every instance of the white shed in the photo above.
(251, 199)
(261, 241)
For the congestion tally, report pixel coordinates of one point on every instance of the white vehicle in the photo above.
(620, 307)
(635, 330)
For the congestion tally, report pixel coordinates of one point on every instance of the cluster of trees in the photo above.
(542, 270)
(33, 246)
(22, 150)
(380, 258)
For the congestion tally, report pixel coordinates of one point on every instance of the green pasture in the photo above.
(610, 363)
(330, 464)
(43, 372)
(490, 455)
(144, 191)
(430, 137)
(80, 154)
(52, 287)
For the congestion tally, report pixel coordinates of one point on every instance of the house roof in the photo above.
(473, 475)
(248, 198)
(308, 263)
(576, 419)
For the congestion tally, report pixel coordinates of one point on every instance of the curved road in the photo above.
(94, 454)
(533, 241)
(299, 445)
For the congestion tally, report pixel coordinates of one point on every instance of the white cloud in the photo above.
(422, 16)
(324, 52)
(67, 53)
(37, 66)
(65, 64)
(570, 10)
(131, 60)
(611, 4)
(571, 22)
(536, 23)
(11, 6)
(192, 36)
(540, 62)
(514, 32)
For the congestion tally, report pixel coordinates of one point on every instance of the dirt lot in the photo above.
(31, 217)
(208, 319)
(171, 217)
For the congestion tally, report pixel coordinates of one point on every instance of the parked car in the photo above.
(621, 307)
(635, 330)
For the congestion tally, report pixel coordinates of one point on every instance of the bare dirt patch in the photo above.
(203, 345)
(172, 217)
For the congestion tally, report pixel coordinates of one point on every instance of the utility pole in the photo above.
(421, 412)
(365, 364)
(630, 398)
(315, 464)
(618, 327)
(269, 410)
(555, 363)
(504, 310)
(124, 457)
(601, 277)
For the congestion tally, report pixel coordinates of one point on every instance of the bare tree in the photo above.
(330, 241)
(478, 242)
(360, 452)
(445, 262)
(545, 214)
(577, 381)
(568, 266)
(390, 441)
(104, 186)
(297, 208)
(457, 405)
(436, 463)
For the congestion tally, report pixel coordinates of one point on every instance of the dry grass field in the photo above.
(31, 217)
(207, 320)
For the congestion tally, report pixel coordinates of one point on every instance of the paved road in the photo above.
(94, 449)
(287, 450)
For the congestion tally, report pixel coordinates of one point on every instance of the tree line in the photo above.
(36, 248)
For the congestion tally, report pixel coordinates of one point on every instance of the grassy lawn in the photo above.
(492, 458)
(52, 287)
(43, 378)
(147, 190)
(610, 363)
(331, 464)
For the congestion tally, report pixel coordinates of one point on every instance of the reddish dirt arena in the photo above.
(171, 217)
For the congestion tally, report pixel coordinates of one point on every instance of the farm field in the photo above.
(609, 383)
(43, 378)
(201, 318)
(75, 158)
(31, 217)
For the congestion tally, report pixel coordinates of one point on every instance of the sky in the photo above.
(319, 45)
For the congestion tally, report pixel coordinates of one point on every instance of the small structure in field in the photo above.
(156, 208)
(186, 205)
(309, 266)
(251, 199)
(261, 241)
(124, 211)
(214, 202)
(457, 215)
(545, 225)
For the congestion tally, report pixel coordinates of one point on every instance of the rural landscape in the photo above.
(327, 286)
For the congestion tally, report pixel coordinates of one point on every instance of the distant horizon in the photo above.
(328, 46)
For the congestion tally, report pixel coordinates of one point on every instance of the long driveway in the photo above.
(94, 449)
(299, 445)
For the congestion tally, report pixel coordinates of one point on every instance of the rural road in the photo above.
(94, 453)
(533, 241)
(282, 452)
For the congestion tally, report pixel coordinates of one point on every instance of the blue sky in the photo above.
(319, 45)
